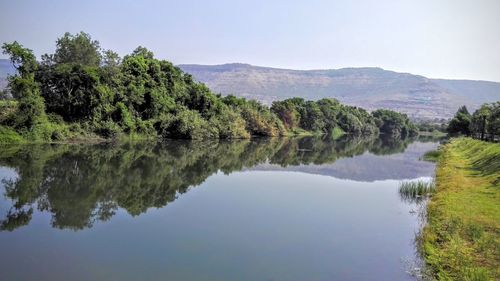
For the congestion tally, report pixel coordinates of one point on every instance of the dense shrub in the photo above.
(8, 135)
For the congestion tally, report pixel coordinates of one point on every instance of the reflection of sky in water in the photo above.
(266, 223)
(371, 167)
(6, 174)
(246, 226)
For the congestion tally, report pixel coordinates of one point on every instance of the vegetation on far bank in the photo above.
(462, 238)
(83, 91)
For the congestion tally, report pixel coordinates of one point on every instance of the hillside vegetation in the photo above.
(83, 91)
(462, 238)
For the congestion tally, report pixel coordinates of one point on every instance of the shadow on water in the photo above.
(81, 184)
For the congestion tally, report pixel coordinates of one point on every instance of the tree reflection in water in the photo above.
(80, 184)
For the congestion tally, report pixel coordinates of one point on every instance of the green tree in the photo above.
(394, 123)
(287, 111)
(312, 118)
(485, 122)
(24, 88)
(330, 109)
(494, 121)
(76, 49)
(460, 124)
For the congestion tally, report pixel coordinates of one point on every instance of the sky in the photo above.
(455, 39)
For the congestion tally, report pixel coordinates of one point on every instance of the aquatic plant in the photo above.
(416, 191)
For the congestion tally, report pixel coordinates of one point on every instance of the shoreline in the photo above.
(462, 236)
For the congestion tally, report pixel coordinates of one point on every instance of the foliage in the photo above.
(461, 240)
(5, 94)
(8, 108)
(140, 95)
(325, 116)
(9, 136)
(485, 122)
(188, 124)
(394, 123)
(78, 49)
(31, 107)
(460, 124)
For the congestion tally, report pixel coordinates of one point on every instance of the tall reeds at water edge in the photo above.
(416, 191)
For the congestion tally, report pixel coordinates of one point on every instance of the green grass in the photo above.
(462, 238)
(416, 191)
(432, 156)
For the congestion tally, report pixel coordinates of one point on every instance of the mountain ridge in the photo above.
(182, 65)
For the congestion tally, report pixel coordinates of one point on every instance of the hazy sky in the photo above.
(435, 38)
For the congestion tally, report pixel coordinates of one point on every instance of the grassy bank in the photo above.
(462, 238)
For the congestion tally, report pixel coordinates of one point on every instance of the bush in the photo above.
(188, 124)
(8, 111)
(145, 127)
(8, 135)
(230, 125)
(394, 123)
(260, 121)
(46, 131)
(30, 110)
(123, 117)
(108, 129)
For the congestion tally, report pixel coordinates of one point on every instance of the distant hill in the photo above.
(370, 88)
(5, 69)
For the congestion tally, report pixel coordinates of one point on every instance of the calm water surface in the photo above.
(269, 209)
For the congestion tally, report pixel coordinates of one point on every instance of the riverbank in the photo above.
(462, 238)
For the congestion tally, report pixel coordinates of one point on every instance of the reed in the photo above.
(416, 191)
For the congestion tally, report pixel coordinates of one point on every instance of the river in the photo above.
(260, 209)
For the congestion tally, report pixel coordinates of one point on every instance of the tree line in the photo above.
(483, 124)
(83, 90)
